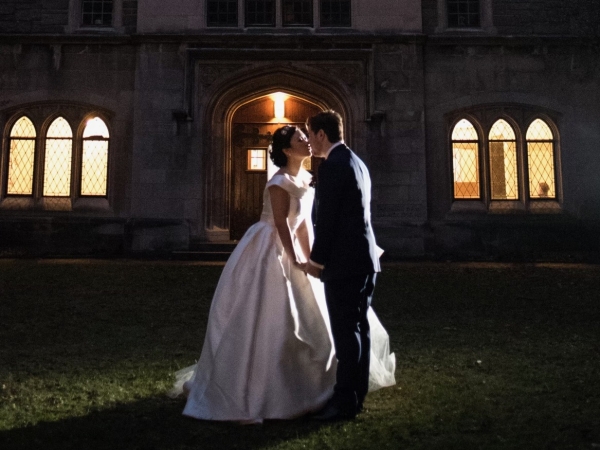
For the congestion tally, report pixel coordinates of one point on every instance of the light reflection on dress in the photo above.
(268, 351)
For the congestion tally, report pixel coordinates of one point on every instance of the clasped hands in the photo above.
(308, 269)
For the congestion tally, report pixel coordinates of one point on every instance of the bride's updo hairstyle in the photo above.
(282, 138)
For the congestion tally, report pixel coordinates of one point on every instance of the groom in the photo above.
(344, 256)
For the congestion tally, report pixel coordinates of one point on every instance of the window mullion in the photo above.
(485, 170)
(38, 167)
(76, 166)
(525, 172)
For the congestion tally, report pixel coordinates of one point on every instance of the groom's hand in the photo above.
(313, 271)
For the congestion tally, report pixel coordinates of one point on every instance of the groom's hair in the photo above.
(328, 121)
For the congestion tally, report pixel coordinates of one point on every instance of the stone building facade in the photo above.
(479, 119)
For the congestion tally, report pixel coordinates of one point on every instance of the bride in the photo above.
(268, 351)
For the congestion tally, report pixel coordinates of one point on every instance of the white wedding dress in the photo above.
(268, 351)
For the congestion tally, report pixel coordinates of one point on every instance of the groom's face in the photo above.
(316, 143)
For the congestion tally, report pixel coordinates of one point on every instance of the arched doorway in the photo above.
(223, 99)
(252, 127)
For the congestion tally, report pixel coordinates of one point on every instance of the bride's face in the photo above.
(298, 146)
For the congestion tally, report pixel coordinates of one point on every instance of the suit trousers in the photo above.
(348, 300)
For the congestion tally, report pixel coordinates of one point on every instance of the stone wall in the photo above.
(33, 16)
(52, 16)
(429, 10)
(173, 161)
(396, 149)
(367, 15)
(553, 77)
(130, 14)
(166, 161)
(575, 17)
(48, 79)
(398, 90)
(533, 17)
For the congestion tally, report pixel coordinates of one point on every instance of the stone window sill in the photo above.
(504, 207)
(82, 204)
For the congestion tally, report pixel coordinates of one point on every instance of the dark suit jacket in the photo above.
(344, 240)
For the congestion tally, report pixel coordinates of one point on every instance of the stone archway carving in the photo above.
(218, 99)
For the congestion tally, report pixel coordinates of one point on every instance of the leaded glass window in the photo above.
(260, 13)
(94, 160)
(540, 160)
(335, 13)
(465, 155)
(21, 158)
(463, 13)
(97, 13)
(42, 166)
(503, 162)
(57, 159)
(222, 13)
(297, 13)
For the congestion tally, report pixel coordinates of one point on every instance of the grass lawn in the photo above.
(490, 356)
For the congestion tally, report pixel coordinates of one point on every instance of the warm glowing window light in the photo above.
(279, 105)
(21, 158)
(540, 158)
(465, 155)
(503, 162)
(257, 159)
(95, 128)
(57, 164)
(94, 161)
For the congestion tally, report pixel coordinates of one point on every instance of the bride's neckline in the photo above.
(284, 172)
(293, 178)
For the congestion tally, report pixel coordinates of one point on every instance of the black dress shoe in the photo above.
(332, 412)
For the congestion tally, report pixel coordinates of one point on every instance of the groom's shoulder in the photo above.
(340, 154)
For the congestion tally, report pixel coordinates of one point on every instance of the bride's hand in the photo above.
(301, 266)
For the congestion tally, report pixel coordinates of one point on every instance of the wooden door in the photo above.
(252, 130)
(248, 184)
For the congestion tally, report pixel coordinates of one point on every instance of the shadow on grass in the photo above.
(151, 423)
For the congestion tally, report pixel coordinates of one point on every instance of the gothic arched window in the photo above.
(509, 163)
(53, 155)
(503, 162)
(465, 156)
(21, 157)
(57, 159)
(94, 158)
(540, 159)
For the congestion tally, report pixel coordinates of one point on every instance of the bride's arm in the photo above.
(280, 203)
(303, 240)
